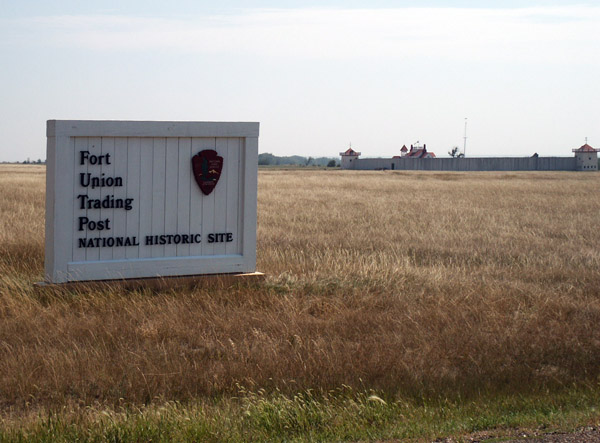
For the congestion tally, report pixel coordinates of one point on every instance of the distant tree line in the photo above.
(39, 161)
(296, 160)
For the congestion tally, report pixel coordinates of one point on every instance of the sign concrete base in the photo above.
(214, 281)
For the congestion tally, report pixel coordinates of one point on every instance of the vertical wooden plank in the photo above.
(184, 183)
(220, 197)
(95, 148)
(107, 169)
(158, 193)
(196, 199)
(208, 208)
(80, 195)
(63, 148)
(145, 202)
(120, 194)
(133, 192)
(250, 194)
(233, 172)
(49, 269)
(240, 193)
(171, 198)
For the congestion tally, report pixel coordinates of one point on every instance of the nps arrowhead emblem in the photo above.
(207, 166)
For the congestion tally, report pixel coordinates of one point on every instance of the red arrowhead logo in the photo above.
(207, 166)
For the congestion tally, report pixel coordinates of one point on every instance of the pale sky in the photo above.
(317, 75)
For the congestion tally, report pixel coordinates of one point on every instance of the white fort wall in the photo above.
(122, 200)
(467, 164)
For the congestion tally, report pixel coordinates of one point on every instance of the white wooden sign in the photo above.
(145, 199)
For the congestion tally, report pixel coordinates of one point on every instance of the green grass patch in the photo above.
(340, 415)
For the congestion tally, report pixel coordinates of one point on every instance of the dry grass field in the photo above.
(409, 283)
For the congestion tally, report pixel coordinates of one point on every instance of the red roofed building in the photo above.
(419, 152)
(350, 152)
(585, 148)
(586, 158)
(348, 158)
(403, 151)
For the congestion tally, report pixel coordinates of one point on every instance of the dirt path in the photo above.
(584, 435)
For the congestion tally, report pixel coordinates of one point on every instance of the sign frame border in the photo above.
(59, 267)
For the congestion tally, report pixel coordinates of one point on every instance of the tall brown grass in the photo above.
(413, 283)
